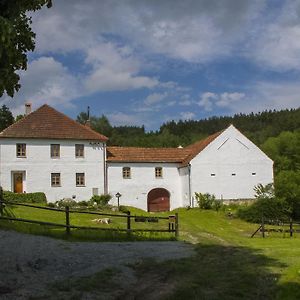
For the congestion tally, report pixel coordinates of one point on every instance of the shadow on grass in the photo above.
(82, 235)
(215, 272)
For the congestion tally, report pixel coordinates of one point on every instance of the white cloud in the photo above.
(228, 99)
(114, 68)
(193, 30)
(155, 98)
(45, 81)
(207, 100)
(276, 44)
(188, 115)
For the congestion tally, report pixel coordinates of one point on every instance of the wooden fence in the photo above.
(172, 221)
(268, 226)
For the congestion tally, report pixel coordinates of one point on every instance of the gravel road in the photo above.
(30, 264)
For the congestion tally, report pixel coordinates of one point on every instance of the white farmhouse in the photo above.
(49, 152)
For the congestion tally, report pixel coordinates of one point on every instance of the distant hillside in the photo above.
(258, 127)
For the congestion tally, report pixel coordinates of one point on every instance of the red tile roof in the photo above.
(48, 123)
(136, 154)
(175, 155)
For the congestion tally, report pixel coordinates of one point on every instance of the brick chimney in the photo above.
(27, 108)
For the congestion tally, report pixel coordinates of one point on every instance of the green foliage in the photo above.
(16, 39)
(284, 150)
(6, 117)
(258, 127)
(269, 208)
(208, 201)
(124, 209)
(101, 200)
(266, 205)
(264, 191)
(287, 185)
(66, 202)
(25, 198)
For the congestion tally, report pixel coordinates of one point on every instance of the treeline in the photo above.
(258, 127)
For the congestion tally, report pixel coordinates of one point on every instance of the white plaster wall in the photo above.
(38, 166)
(135, 190)
(231, 152)
(185, 188)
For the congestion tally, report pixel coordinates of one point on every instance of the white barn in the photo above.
(48, 152)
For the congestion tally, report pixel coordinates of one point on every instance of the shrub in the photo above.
(208, 201)
(101, 200)
(51, 204)
(123, 209)
(25, 198)
(83, 203)
(66, 202)
(270, 208)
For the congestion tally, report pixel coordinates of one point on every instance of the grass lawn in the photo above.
(227, 264)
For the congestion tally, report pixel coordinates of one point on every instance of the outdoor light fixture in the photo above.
(118, 195)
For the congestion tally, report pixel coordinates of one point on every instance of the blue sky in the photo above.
(146, 62)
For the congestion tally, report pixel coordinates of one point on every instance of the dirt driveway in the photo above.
(36, 267)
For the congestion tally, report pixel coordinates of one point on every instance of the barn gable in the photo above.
(230, 166)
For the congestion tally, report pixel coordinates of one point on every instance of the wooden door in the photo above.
(158, 200)
(18, 183)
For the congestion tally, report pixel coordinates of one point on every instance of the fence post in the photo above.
(263, 226)
(128, 223)
(291, 227)
(176, 225)
(67, 220)
(1, 203)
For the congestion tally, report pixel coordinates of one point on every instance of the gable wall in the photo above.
(38, 166)
(229, 153)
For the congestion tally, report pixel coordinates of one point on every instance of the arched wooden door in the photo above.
(158, 200)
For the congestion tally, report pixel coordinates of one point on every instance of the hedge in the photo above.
(25, 198)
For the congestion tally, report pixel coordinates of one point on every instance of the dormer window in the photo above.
(55, 151)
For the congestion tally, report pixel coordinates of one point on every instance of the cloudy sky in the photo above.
(147, 61)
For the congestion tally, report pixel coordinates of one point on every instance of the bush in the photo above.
(123, 209)
(101, 200)
(66, 202)
(208, 201)
(25, 198)
(270, 208)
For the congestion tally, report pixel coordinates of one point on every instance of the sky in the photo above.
(146, 62)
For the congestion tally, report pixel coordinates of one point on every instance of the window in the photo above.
(79, 150)
(80, 179)
(158, 172)
(55, 150)
(212, 174)
(21, 150)
(253, 174)
(55, 179)
(126, 173)
(233, 174)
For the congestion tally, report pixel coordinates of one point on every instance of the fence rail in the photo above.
(282, 227)
(173, 223)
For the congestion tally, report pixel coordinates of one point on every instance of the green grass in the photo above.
(78, 219)
(227, 264)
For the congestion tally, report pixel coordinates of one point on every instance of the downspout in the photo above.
(105, 169)
(190, 192)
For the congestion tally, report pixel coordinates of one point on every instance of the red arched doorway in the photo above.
(158, 200)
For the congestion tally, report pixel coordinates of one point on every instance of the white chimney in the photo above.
(27, 108)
